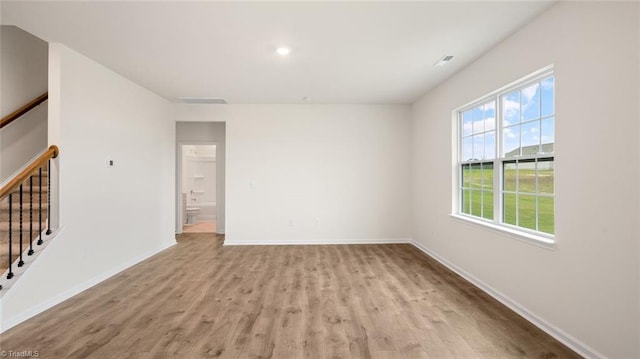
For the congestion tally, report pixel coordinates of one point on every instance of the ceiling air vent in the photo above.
(443, 60)
(202, 100)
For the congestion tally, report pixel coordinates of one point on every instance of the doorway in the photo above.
(198, 204)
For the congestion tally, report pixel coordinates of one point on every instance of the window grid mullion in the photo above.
(482, 185)
(537, 192)
(517, 192)
(479, 158)
(539, 151)
(519, 155)
(481, 167)
(539, 141)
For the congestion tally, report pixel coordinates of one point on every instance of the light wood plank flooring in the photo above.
(199, 299)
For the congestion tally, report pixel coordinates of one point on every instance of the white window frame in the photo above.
(537, 238)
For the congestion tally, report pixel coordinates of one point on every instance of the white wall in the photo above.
(197, 130)
(199, 173)
(588, 288)
(314, 173)
(111, 217)
(23, 65)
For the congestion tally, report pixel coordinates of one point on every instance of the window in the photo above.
(506, 156)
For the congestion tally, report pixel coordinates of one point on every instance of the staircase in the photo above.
(30, 213)
(25, 204)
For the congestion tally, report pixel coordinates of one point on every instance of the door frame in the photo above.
(179, 144)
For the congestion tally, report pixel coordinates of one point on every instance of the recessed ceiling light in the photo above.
(443, 60)
(283, 51)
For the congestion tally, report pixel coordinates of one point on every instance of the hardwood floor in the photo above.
(199, 299)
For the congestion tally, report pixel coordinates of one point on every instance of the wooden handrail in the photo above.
(52, 152)
(24, 109)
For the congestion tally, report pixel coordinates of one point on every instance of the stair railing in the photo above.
(16, 187)
(24, 109)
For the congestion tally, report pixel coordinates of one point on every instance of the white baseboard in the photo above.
(573, 343)
(550, 329)
(29, 313)
(7, 284)
(251, 242)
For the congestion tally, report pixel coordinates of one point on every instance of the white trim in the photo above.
(550, 329)
(566, 339)
(506, 230)
(535, 236)
(523, 81)
(179, 144)
(302, 242)
(9, 323)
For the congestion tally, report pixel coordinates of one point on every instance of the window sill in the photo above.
(530, 238)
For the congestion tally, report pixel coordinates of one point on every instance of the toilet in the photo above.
(192, 213)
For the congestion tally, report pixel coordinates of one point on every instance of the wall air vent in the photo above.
(443, 60)
(202, 100)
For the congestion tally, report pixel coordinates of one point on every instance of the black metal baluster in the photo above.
(49, 197)
(10, 274)
(20, 262)
(31, 215)
(40, 207)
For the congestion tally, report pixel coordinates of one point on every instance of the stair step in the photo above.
(15, 209)
(26, 215)
(4, 206)
(15, 234)
(26, 197)
(4, 237)
(4, 226)
(4, 240)
(36, 182)
(4, 251)
(25, 189)
(4, 261)
(4, 243)
(15, 255)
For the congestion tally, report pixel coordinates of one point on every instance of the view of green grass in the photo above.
(481, 203)
(520, 208)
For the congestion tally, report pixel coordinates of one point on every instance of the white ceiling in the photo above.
(342, 52)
